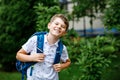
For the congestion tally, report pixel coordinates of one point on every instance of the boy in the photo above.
(44, 68)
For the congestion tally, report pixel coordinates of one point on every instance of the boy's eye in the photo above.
(63, 26)
(56, 23)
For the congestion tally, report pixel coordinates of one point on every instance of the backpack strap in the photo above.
(23, 66)
(40, 43)
(58, 52)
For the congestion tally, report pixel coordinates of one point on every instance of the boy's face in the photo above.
(57, 27)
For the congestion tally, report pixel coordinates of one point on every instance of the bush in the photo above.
(44, 14)
(92, 55)
(112, 16)
(92, 60)
(17, 20)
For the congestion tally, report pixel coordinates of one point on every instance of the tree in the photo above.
(112, 14)
(44, 14)
(17, 21)
(88, 8)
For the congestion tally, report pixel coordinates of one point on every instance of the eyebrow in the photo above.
(62, 24)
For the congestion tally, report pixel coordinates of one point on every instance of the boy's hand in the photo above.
(38, 57)
(57, 67)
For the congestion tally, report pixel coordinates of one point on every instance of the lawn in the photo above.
(72, 73)
(113, 73)
(66, 74)
(10, 75)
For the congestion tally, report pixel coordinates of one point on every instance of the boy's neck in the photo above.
(51, 39)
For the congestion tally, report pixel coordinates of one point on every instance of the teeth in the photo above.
(57, 30)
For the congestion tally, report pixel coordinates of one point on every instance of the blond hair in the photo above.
(61, 16)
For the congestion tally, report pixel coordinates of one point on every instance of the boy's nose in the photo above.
(59, 26)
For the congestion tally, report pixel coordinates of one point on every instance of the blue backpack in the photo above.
(23, 66)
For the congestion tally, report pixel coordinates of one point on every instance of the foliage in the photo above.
(72, 33)
(72, 73)
(95, 57)
(71, 40)
(49, 3)
(112, 16)
(44, 13)
(92, 55)
(17, 18)
(17, 21)
(87, 7)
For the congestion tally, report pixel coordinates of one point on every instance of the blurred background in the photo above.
(92, 39)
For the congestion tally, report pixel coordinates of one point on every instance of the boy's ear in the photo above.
(49, 25)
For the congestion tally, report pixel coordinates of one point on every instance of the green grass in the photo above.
(113, 73)
(72, 73)
(10, 76)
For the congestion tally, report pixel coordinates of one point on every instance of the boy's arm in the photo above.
(65, 64)
(59, 67)
(24, 57)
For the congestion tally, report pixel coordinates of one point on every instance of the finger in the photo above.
(42, 55)
(57, 69)
(40, 60)
(58, 65)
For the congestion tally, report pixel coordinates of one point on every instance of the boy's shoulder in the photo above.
(39, 33)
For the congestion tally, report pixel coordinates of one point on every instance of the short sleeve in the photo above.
(30, 45)
(64, 55)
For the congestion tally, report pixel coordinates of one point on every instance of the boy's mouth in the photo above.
(57, 30)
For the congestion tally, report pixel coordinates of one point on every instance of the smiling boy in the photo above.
(44, 69)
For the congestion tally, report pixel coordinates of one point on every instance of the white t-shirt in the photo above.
(44, 70)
